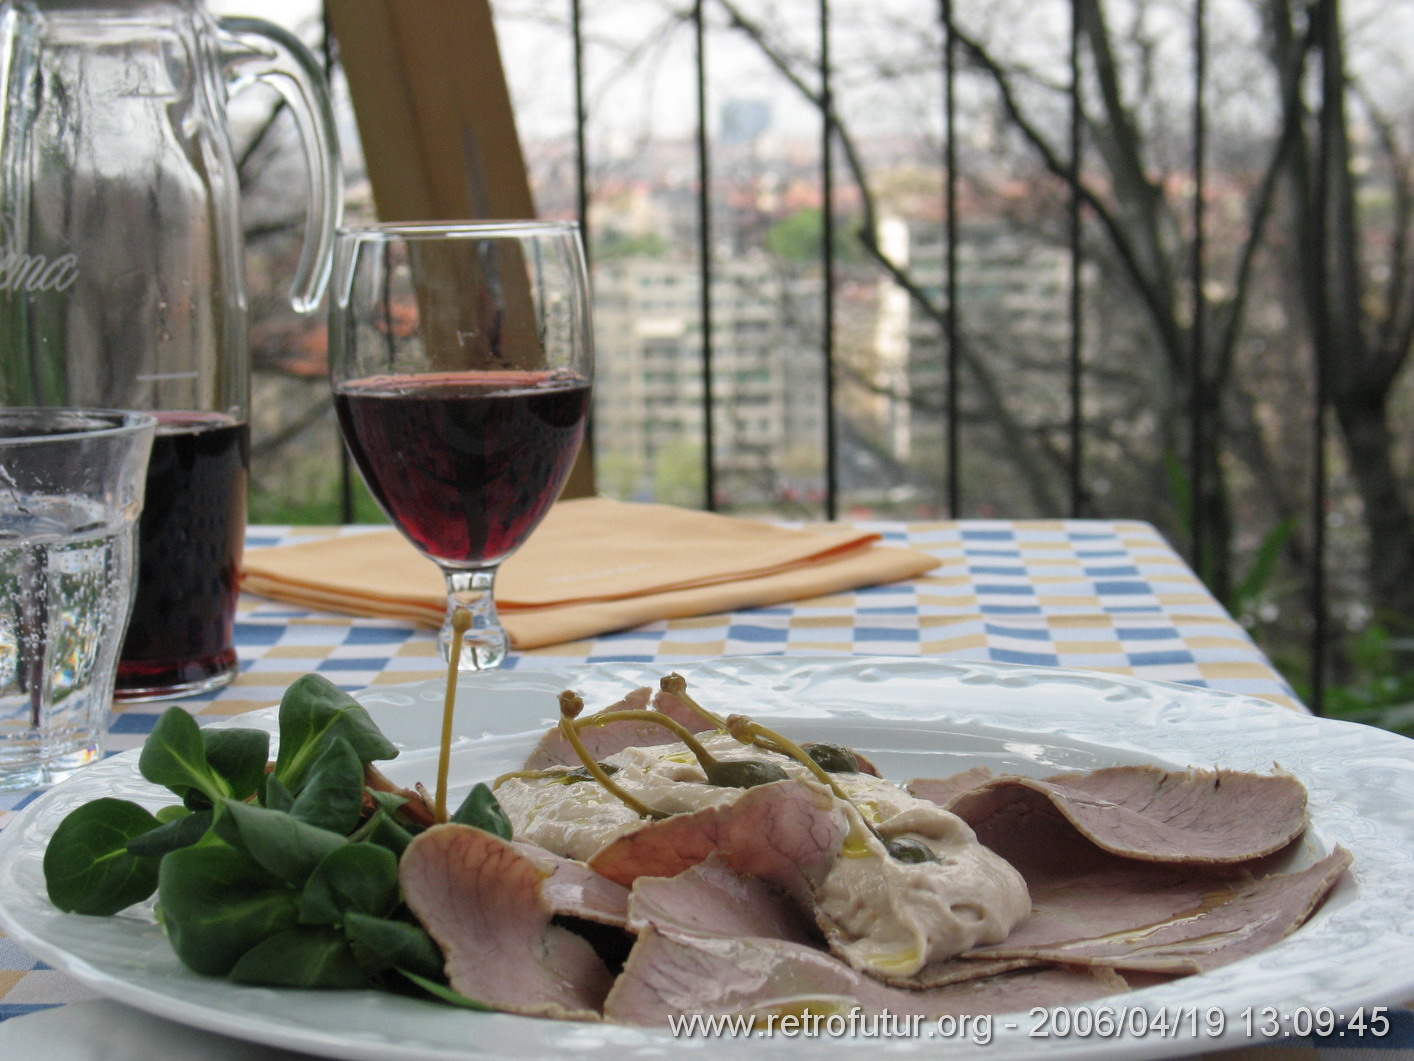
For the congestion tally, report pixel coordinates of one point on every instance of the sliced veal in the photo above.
(786, 833)
(603, 741)
(712, 899)
(481, 900)
(1227, 921)
(671, 975)
(573, 889)
(1213, 816)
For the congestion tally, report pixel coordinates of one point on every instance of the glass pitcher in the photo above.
(122, 277)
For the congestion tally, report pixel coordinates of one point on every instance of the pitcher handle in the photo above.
(258, 51)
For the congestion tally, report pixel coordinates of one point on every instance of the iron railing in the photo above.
(1202, 400)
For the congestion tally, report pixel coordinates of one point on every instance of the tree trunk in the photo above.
(1361, 373)
(1365, 429)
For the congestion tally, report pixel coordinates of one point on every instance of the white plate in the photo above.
(915, 718)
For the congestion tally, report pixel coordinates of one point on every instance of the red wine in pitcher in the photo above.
(190, 535)
(466, 464)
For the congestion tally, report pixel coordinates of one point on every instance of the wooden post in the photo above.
(434, 115)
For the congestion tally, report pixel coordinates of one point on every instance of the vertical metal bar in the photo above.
(581, 172)
(1200, 426)
(327, 54)
(827, 256)
(953, 399)
(1327, 25)
(704, 250)
(581, 118)
(1077, 390)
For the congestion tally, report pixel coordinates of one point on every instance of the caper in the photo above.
(580, 773)
(835, 758)
(906, 849)
(744, 773)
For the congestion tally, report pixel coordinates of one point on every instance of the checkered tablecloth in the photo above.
(1111, 596)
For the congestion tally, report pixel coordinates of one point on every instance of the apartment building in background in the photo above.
(768, 382)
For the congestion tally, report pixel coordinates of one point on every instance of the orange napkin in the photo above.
(592, 566)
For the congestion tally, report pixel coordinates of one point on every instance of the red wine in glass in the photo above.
(180, 639)
(465, 463)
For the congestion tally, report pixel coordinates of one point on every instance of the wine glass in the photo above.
(461, 358)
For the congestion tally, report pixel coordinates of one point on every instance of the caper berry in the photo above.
(744, 773)
(906, 849)
(834, 758)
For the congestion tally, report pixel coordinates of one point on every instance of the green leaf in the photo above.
(389, 801)
(481, 810)
(283, 845)
(313, 711)
(332, 796)
(383, 831)
(174, 756)
(444, 993)
(167, 838)
(88, 868)
(240, 756)
(395, 943)
(301, 957)
(357, 878)
(217, 903)
(277, 796)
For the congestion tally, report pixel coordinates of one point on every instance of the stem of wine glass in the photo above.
(484, 646)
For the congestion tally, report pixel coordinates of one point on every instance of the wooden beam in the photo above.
(433, 108)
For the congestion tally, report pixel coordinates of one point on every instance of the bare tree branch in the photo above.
(1037, 467)
(1158, 305)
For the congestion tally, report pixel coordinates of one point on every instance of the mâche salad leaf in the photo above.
(306, 956)
(282, 873)
(402, 945)
(313, 712)
(281, 843)
(481, 810)
(170, 836)
(218, 902)
(333, 793)
(174, 756)
(240, 756)
(87, 866)
(354, 878)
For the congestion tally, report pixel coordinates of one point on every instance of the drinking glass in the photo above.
(71, 487)
(461, 359)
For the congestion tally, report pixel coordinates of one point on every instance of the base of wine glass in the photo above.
(484, 644)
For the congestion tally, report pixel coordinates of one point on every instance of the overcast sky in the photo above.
(657, 97)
